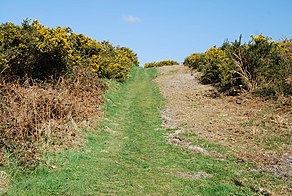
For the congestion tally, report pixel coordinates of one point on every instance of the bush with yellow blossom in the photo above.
(260, 65)
(161, 63)
(35, 51)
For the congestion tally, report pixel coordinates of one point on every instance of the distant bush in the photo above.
(161, 63)
(195, 60)
(259, 65)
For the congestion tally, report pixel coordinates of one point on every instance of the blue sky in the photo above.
(159, 29)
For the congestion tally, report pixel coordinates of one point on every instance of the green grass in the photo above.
(128, 154)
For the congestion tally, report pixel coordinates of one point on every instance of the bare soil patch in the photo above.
(193, 176)
(256, 131)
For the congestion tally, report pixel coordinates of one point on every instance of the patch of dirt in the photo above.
(175, 139)
(193, 176)
(254, 129)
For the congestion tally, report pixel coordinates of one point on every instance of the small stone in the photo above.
(175, 141)
(198, 149)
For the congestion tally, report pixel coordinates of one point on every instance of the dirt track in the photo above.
(254, 130)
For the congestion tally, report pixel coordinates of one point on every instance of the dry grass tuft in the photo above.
(4, 181)
(34, 114)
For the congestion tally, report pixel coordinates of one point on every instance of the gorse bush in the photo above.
(259, 65)
(35, 51)
(161, 63)
(195, 60)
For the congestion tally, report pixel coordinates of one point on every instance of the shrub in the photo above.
(38, 52)
(259, 65)
(116, 62)
(195, 61)
(161, 63)
(33, 50)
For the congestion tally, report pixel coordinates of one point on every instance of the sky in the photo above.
(159, 29)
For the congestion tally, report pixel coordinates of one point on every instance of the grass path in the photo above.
(128, 154)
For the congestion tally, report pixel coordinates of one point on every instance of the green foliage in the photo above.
(35, 51)
(161, 63)
(259, 65)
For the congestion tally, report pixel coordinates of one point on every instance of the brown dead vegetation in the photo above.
(38, 115)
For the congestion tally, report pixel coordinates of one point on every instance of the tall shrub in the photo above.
(38, 52)
(259, 65)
